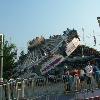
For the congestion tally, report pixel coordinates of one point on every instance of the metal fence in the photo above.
(40, 89)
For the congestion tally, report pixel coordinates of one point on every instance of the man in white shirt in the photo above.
(89, 74)
(89, 70)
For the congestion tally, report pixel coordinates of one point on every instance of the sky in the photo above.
(23, 20)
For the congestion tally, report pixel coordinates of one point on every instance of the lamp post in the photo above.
(1, 66)
(98, 18)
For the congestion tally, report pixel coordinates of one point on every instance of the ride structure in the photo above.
(45, 52)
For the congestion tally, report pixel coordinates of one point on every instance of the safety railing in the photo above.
(42, 89)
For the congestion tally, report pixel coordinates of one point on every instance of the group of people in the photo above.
(82, 78)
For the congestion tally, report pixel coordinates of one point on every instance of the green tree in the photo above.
(10, 54)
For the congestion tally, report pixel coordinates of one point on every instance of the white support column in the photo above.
(9, 91)
(23, 88)
(1, 67)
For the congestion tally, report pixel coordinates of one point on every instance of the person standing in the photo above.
(77, 79)
(82, 79)
(89, 74)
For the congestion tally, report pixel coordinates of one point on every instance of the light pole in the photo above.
(1, 65)
(98, 18)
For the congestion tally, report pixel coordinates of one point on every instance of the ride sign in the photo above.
(72, 46)
(51, 63)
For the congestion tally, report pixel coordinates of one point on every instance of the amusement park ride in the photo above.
(45, 54)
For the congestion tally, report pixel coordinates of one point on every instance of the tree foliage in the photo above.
(9, 53)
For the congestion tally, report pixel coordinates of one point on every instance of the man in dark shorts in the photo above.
(82, 79)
